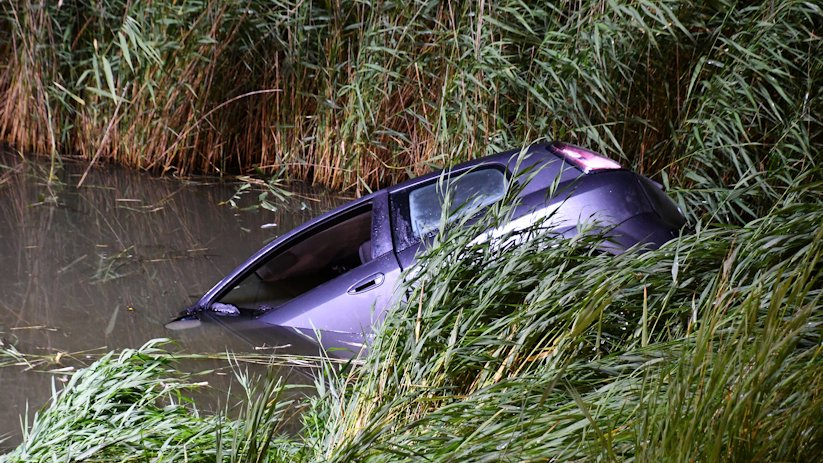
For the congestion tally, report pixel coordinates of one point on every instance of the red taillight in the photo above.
(583, 159)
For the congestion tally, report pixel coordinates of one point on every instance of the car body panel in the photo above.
(350, 303)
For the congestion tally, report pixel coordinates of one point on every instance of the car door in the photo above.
(354, 300)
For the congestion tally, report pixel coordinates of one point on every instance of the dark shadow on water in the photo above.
(105, 266)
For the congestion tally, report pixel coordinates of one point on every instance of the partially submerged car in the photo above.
(338, 272)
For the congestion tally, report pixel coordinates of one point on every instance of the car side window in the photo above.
(318, 256)
(467, 193)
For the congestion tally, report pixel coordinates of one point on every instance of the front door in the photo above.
(338, 276)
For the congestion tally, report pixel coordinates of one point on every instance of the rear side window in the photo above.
(469, 192)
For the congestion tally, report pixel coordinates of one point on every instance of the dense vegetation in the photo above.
(354, 93)
(708, 349)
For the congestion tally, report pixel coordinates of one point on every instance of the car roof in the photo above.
(533, 155)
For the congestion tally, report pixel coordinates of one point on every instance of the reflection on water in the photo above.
(105, 266)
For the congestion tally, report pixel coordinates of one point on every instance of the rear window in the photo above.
(469, 192)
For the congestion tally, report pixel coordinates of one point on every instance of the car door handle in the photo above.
(368, 283)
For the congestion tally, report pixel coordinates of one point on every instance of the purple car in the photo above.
(337, 273)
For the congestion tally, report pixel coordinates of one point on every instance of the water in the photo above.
(105, 266)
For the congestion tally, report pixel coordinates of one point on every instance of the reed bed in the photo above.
(360, 94)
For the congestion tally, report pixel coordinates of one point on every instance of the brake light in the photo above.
(583, 159)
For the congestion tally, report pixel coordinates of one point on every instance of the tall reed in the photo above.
(360, 94)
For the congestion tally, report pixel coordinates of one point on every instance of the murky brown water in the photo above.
(104, 266)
